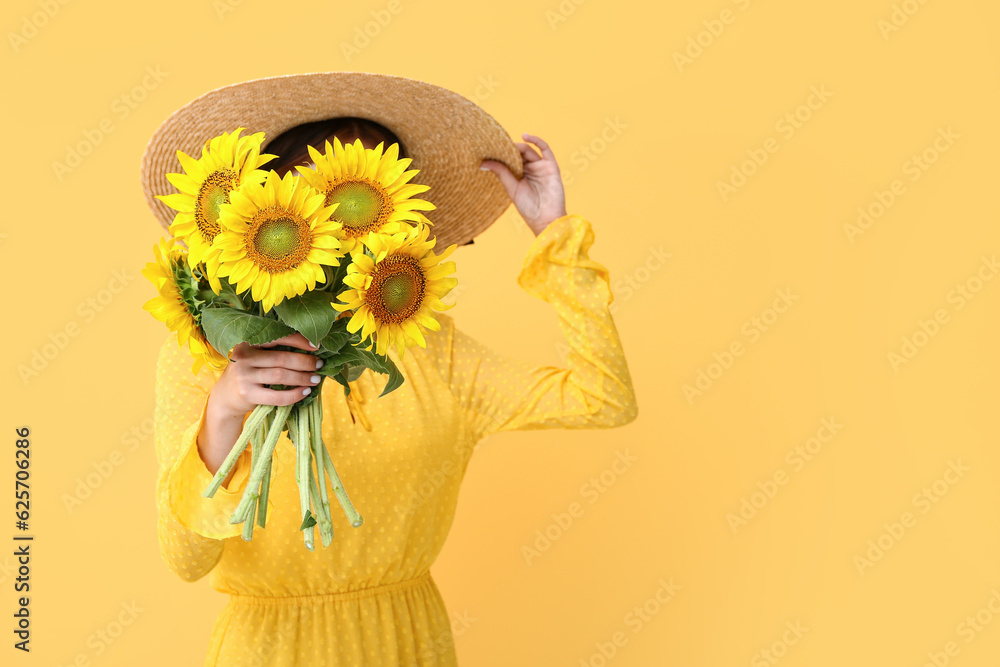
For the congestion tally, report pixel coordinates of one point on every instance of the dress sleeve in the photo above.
(191, 528)
(594, 390)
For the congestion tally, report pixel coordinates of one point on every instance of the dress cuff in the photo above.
(566, 242)
(189, 477)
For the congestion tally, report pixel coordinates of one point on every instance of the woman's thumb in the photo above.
(507, 179)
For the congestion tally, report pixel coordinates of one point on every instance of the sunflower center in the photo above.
(277, 239)
(397, 288)
(212, 194)
(363, 206)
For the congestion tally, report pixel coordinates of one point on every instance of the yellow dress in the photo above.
(368, 598)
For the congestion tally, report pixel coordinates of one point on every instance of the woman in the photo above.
(369, 599)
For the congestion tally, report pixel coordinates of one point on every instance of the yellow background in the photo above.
(570, 72)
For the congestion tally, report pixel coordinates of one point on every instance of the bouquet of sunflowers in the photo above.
(339, 253)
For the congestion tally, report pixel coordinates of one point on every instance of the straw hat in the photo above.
(445, 134)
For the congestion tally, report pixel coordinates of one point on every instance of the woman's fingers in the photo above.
(295, 340)
(295, 361)
(538, 141)
(262, 356)
(279, 375)
(276, 367)
(259, 395)
(527, 152)
(507, 179)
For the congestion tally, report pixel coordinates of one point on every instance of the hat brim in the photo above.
(445, 134)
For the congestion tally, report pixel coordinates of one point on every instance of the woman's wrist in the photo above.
(219, 432)
(547, 220)
(218, 409)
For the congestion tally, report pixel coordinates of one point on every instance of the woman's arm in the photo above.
(197, 421)
(594, 390)
(191, 528)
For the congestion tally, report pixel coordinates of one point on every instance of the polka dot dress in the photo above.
(369, 599)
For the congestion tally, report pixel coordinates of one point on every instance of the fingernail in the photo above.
(311, 344)
(305, 392)
(314, 378)
(319, 364)
(484, 168)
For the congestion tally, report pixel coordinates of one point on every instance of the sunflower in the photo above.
(275, 237)
(177, 304)
(392, 293)
(226, 161)
(371, 187)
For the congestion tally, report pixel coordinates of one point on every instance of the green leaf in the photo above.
(351, 356)
(226, 327)
(352, 372)
(340, 378)
(308, 520)
(395, 377)
(310, 314)
(333, 342)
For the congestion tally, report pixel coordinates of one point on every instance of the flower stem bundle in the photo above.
(338, 253)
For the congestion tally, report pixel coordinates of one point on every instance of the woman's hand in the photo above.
(241, 388)
(538, 196)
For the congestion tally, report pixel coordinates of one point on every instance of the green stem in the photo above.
(339, 491)
(248, 525)
(314, 415)
(265, 484)
(248, 522)
(325, 527)
(302, 476)
(257, 473)
(256, 417)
